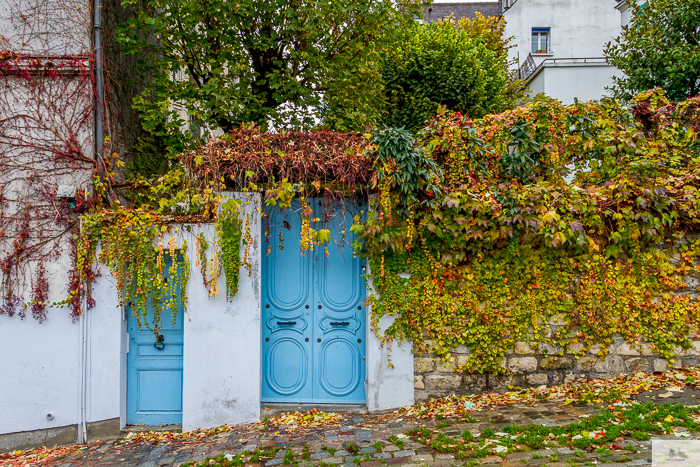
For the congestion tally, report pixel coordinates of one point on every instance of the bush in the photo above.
(659, 48)
(462, 66)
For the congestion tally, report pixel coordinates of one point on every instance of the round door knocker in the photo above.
(160, 345)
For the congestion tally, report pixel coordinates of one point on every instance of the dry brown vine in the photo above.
(46, 140)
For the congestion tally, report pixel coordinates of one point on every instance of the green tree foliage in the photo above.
(265, 61)
(462, 65)
(659, 48)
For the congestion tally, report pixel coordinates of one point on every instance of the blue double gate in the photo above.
(313, 312)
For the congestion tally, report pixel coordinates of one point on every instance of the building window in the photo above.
(540, 40)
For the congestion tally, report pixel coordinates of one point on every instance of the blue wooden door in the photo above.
(313, 315)
(154, 374)
(287, 315)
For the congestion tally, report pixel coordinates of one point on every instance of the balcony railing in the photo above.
(527, 68)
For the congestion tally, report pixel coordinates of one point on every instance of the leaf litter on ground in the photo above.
(620, 389)
(615, 391)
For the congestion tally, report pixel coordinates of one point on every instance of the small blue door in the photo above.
(313, 315)
(154, 369)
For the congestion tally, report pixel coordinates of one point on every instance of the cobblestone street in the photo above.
(364, 440)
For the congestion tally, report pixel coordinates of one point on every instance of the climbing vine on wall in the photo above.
(229, 234)
(558, 226)
(151, 273)
(46, 114)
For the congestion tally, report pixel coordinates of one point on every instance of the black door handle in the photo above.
(286, 322)
(339, 323)
(159, 344)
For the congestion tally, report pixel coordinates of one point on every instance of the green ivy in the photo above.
(229, 234)
(511, 251)
(127, 240)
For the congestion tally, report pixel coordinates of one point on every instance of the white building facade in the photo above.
(558, 45)
(625, 9)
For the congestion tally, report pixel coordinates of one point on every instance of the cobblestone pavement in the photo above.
(363, 440)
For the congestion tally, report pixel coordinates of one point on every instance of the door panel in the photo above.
(339, 313)
(340, 282)
(286, 309)
(154, 376)
(287, 365)
(339, 373)
(314, 319)
(287, 272)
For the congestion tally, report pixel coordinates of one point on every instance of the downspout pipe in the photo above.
(99, 142)
(82, 425)
(99, 85)
(100, 93)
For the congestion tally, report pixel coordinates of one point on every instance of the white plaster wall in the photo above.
(39, 27)
(388, 387)
(222, 346)
(536, 84)
(40, 367)
(221, 363)
(568, 82)
(105, 351)
(579, 28)
(626, 11)
(625, 15)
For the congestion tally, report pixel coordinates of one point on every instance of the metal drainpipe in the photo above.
(82, 427)
(100, 100)
(99, 84)
(83, 388)
(99, 141)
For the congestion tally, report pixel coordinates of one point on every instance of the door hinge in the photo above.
(128, 340)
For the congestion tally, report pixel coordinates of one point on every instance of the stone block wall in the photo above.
(532, 368)
(547, 365)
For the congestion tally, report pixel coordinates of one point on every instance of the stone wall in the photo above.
(547, 364)
(532, 367)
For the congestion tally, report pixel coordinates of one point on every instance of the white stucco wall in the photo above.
(42, 362)
(579, 28)
(536, 84)
(624, 6)
(567, 81)
(106, 326)
(42, 365)
(388, 387)
(40, 368)
(60, 27)
(222, 347)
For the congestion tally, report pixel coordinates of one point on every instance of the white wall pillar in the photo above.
(222, 363)
(388, 387)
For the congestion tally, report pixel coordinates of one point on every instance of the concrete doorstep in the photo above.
(274, 409)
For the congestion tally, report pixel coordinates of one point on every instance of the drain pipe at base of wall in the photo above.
(82, 425)
(99, 141)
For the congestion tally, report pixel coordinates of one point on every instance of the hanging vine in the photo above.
(151, 278)
(229, 234)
